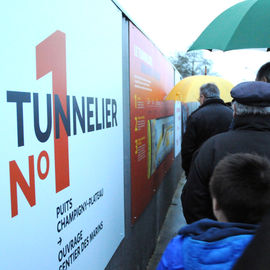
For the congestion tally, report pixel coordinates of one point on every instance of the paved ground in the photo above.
(174, 220)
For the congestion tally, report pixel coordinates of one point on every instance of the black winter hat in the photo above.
(252, 93)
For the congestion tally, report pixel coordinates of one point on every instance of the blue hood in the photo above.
(211, 245)
(210, 230)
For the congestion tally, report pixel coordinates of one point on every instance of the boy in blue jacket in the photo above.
(240, 191)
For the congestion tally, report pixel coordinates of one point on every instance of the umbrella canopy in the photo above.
(188, 89)
(244, 25)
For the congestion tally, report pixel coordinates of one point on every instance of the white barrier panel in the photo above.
(177, 77)
(61, 163)
(178, 128)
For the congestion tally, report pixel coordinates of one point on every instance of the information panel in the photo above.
(61, 134)
(151, 119)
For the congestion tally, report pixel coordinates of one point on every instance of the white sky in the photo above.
(173, 25)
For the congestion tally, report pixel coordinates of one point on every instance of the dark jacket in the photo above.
(250, 134)
(207, 244)
(211, 118)
(255, 257)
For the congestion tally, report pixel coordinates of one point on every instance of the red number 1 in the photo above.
(51, 57)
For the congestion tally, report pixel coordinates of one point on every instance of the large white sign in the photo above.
(61, 140)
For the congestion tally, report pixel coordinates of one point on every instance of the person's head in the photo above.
(250, 98)
(264, 73)
(240, 188)
(208, 91)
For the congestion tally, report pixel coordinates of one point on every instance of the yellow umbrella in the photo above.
(188, 89)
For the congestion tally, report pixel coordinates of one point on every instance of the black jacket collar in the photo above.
(212, 101)
(208, 102)
(252, 122)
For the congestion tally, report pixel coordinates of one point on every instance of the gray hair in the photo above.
(241, 109)
(209, 90)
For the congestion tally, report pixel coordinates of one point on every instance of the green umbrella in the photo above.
(244, 25)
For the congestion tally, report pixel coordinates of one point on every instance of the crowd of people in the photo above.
(226, 197)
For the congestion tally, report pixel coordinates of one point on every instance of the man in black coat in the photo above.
(211, 118)
(255, 256)
(250, 134)
(263, 73)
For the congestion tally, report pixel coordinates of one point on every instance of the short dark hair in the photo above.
(264, 73)
(241, 185)
(209, 90)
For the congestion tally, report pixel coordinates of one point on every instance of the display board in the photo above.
(61, 134)
(151, 119)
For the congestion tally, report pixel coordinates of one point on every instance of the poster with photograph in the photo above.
(151, 119)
